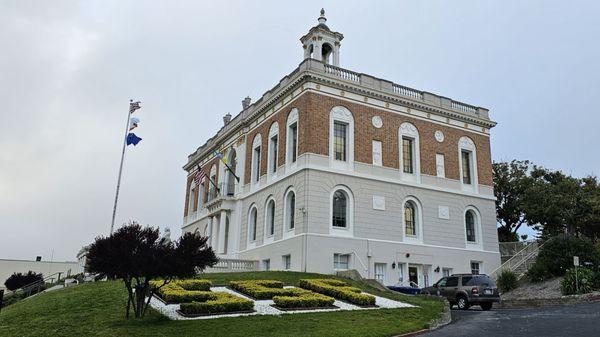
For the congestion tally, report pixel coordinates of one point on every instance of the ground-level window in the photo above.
(287, 262)
(380, 272)
(341, 261)
(475, 267)
(446, 272)
(267, 264)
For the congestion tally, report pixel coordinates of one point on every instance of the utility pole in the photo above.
(132, 107)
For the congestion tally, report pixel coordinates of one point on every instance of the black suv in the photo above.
(465, 290)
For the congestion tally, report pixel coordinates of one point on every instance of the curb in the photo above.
(548, 302)
(435, 324)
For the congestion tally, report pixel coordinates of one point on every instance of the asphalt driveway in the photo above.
(570, 321)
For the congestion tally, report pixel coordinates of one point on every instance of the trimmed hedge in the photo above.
(264, 289)
(182, 291)
(221, 303)
(307, 299)
(338, 289)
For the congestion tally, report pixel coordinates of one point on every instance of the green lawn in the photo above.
(97, 309)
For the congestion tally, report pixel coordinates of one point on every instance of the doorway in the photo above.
(413, 276)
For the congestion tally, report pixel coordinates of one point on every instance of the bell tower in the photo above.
(320, 43)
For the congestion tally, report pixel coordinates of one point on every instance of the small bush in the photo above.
(182, 291)
(338, 289)
(19, 280)
(307, 299)
(538, 273)
(263, 289)
(222, 303)
(585, 278)
(507, 281)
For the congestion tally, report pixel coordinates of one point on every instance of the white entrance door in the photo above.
(380, 272)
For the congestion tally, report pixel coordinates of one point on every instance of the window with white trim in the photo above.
(412, 220)
(252, 221)
(201, 196)
(340, 209)
(476, 267)
(409, 152)
(466, 166)
(287, 262)
(270, 218)
(273, 148)
(256, 154)
(470, 226)
(467, 157)
(446, 272)
(341, 261)
(290, 209)
(341, 138)
(212, 190)
(292, 137)
(192, 198)
(377, 155)
(440, 168)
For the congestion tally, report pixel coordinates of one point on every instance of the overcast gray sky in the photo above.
(69, 68)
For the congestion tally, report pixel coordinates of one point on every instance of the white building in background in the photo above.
(342, 170)
(46, 268)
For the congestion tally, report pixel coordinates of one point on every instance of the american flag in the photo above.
(199, 177)
(134, 106)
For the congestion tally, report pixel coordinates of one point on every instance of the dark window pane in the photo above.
(292, 210)
(257, 164)
(339, 209)
(409, 218)
(271, 217)
(253, 224)
(274, 145)
(339, 140)
(294, 131)
(466, 167)
(407, 155)
(470, 226)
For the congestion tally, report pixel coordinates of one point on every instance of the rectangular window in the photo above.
(341, 261)
(192, 200)
(377, 156)
(292, 211)
(407, 155)
(440, 170)
(475, 267)
(466, 167)
(257, 164)
(446, 272)
(267, 264)
(201, 196)
(287, 262)
(294, 141)
(380, 272)
(273, 144)
(340, 140)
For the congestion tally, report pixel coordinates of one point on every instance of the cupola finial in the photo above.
(322, 18)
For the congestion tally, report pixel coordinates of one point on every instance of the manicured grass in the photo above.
(97, 309)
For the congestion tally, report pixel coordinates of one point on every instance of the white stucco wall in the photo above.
(46, 268)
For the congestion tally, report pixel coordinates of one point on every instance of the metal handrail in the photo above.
(37, 284)
(520, 257)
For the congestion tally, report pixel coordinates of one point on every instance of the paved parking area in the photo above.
(570, 321)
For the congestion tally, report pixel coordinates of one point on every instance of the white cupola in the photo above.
(320, 43)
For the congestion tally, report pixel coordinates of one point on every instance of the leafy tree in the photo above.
(137, 255)
(19, 280)
(511, 184)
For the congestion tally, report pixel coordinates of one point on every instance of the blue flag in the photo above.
(133, 139)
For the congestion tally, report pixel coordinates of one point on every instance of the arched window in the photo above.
(410, 220)
(232, 162)
(270, 218)
(252, 217)
(473, 228)
(290, 210)
(467, 158)
(326, 51)
(341, 138)
(342, 211)
(470, 226)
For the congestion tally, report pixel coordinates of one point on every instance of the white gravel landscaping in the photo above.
(263, 307)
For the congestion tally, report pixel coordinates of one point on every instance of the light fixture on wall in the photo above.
(437, 269)
(407, 255)
(393, 265)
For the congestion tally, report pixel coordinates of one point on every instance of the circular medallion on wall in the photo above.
(377, 122)
(439, 136)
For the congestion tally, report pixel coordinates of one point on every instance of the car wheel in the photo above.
(486, 306)
(462, 303)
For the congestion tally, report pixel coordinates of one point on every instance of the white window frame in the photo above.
(447, 271)
(250, 227)
(347, 231)
(287, 231)
(201, 192)
(191, 198)
(408, 130)
(380, 277)
(272, 157)
(211, 187)
(286, 261)
(418, 238)
(440, 165)
(255, 165)
(478, 244)
(292, 118)
(467, 144)
(377, 152)
(480, 263)
(268, 237)
(342, 115)
(337, 261)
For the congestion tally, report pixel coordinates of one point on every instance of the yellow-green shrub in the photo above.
(181, 291)
(263, 289)
(338, 289)
(221, 303)
(304, 299)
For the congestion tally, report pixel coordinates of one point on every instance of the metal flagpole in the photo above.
(131, 104)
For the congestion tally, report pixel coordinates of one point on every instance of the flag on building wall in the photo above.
(199, 176)
(133, 139)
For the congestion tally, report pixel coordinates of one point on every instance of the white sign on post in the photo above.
(576, 261)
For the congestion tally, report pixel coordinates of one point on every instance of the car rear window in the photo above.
(478, 281)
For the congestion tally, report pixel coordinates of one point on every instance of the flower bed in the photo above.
(339, 290)
(182, 291)
(263, 289)
(221, 302)
(303, 300)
